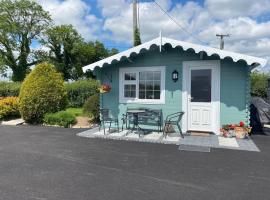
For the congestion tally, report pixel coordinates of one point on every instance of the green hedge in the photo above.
(62, 118)
(80, 90)
(9, 89)
(91, 107)
(77, 91)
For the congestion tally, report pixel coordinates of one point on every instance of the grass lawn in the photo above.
(77, 112)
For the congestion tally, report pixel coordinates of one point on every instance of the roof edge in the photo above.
(250, 60)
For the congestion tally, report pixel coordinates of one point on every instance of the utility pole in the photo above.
(135, 16)
(222, 39)
(136, 31)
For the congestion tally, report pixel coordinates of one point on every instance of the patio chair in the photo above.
(105, 118)
(173, 120)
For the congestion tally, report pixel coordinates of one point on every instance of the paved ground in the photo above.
(52, 163)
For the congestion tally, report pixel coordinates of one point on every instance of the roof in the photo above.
(161, 41)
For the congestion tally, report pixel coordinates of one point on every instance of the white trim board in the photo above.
(212, 64)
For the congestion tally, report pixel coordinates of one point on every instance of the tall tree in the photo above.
(69, 52)
(21, 22)
(137, 37)
(63, 42)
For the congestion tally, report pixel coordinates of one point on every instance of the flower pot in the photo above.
(240, 132)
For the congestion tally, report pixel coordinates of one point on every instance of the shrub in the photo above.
(9, 89)
(91, 107)
(42, 92)
(62, 118)
(9, 108)
(80, 90)
(259, 84)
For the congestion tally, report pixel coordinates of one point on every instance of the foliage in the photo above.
(9, 89)
(62, 41)
(137, 37)
(75, 111)
(62, 118)
(9, 107)
(42, 92)
(69, 52)
(259, 84)
(79, 91)
(91, 107)
(21, 22)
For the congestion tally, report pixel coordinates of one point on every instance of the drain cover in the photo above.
(194, 148)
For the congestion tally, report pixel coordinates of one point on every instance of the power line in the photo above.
(179, 25)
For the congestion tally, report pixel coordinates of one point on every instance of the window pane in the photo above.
(133, 87)
(156, 94)
(142, 75)
(127, 87)
(130, 76)
(150, 76)
(142, 95)
(130, 91)
(149, 85)
(156, 85)
(149, 94)
(201, 85)
(142, 85)
(133, 94)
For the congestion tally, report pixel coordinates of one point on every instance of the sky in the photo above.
(110, 21)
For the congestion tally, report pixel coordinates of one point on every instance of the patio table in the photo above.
(135, 113)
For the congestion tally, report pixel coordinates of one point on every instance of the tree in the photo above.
(21, 22)
(69, 52)
(137, 38)
(63, 42)
(259, 84)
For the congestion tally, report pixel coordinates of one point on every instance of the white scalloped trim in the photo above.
(250, 60)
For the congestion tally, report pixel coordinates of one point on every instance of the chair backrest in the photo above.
(104, 114)
(180, 117)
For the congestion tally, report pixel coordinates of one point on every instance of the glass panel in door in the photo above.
(201, 85)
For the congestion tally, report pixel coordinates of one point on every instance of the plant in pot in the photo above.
(104, 88)
(228, 130)
(241, 130)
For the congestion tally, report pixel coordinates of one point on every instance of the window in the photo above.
(142, 85)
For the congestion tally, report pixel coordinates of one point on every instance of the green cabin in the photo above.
(211, 86)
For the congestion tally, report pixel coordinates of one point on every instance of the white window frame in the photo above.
(137, 70)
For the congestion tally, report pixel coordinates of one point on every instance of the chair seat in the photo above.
(109, 120)
(171, 122)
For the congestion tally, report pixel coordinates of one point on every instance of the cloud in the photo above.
(224, 9)
(203, 21)
(236, 17)
(75, 12)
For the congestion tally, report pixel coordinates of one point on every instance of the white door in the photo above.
(199, 99)
(202, 96)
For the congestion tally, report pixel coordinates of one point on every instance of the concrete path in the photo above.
(13, 122)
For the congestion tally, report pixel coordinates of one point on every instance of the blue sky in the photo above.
(110, 21)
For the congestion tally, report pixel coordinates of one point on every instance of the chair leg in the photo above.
(180, 130)
(117, 125)
(164, 130)
(103, 123)
(110, 127)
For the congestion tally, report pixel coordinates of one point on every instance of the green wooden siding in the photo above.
(233, 83)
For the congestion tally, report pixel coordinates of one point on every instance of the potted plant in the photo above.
(104, 88)
(241, 131)
(228, 130)
(235, 130)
